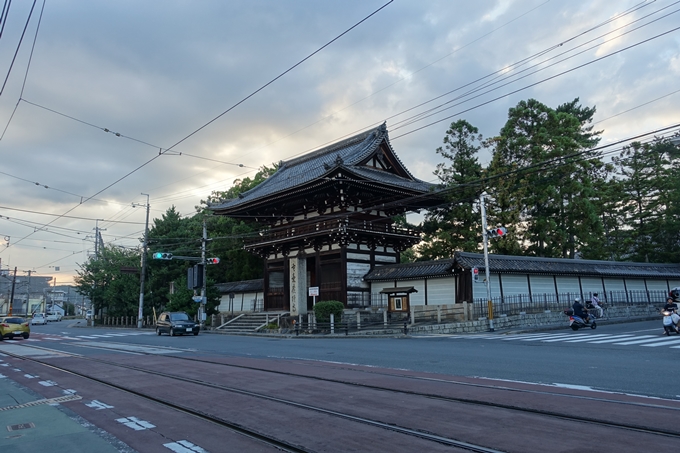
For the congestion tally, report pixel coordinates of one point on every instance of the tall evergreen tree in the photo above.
(543, 176)
(648, 197)
(455, 225)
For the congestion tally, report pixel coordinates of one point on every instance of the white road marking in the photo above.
(47, 383)
(184, 446)
(663, 342)
(98, 405)
(135, 423)
(30, 376)
(587, 338)
(640, 339)
(129, 348)
(614, 338)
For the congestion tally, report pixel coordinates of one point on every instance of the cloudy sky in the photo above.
(152, 73)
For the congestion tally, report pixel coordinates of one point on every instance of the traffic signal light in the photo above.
(475, 274)
(212, 260)
(162, 256)
(497, 232)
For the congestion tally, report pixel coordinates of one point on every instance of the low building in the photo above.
(523, 281)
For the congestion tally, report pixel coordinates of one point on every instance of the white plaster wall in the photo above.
(479, 288)
(355, 274)
(514, 284)
(635, 284)
(419, 297)
(542, 284)
(657, 285)
(614, 284)
(591, 285)
(386, 259)
(568, 284)
(441, 291)
(246, 298)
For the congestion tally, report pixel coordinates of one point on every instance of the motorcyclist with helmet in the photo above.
(580, 310)
(671, 307)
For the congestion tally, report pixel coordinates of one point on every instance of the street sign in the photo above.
(197, 299)
(313, 290)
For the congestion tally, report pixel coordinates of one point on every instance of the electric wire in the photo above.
(219, 116)
(28, 66)
(2, 90)
(428, 114)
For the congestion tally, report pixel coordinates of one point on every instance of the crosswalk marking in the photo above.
(614, 338)
(663, 343)
(640, 339)
(652, 341)
(588, 338)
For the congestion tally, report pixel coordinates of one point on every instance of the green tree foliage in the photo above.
(647, 202)
(111, 291)
(324, 309)
(544, 175)
(182, 299)
(455, 225)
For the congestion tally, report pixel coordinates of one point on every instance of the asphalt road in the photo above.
(645, 366)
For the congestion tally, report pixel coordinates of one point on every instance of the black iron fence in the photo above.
(537, 303)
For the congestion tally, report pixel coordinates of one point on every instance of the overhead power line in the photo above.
(219, 116)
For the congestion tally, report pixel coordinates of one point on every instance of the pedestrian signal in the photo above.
(475, 274)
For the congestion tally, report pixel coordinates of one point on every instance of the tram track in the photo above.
(471, 401)
(378, 424)
(257, 435)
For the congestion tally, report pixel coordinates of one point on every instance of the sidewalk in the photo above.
(34, 424)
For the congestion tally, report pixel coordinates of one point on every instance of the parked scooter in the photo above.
(671, 322)
(576, 322)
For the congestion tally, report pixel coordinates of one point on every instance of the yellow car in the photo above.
(13, 326)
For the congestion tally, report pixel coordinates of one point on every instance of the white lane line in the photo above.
(641, 339)
(85, 336)
(47, 383)
(184, 446)
(664, 342)
(615, 338)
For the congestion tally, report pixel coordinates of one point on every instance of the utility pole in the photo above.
(485, 239)
(11, 297)
(140, 314)
(201, 307)
(97, 239)
(28, 292)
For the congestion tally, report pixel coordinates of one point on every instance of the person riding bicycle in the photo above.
(580, 310)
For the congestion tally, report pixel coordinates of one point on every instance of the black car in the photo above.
(176, 323)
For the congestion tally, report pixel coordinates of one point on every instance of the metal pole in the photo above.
(140, 313)
(485, 238)
(201, 307)
(11, 297)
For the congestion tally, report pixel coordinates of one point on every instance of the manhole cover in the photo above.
(20, 426)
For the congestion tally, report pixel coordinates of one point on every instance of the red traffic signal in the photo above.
(497, 232)
(212, 261)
